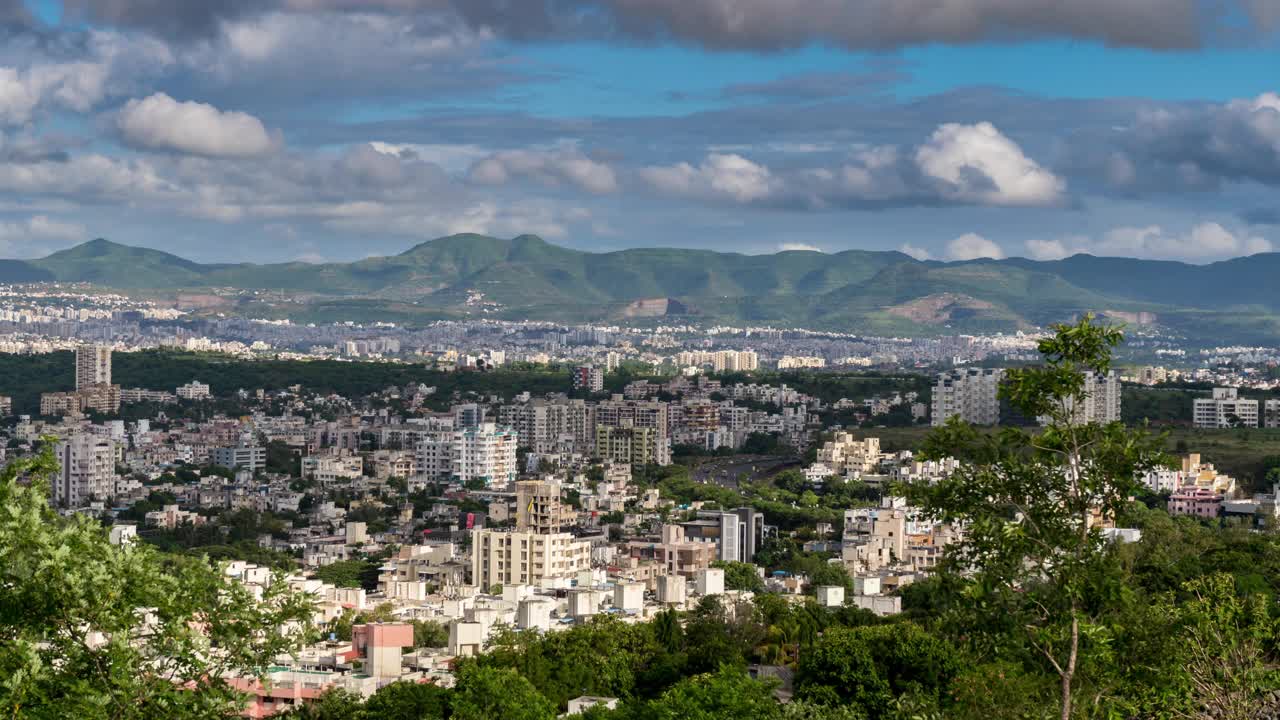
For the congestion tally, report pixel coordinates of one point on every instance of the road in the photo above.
(726, 470)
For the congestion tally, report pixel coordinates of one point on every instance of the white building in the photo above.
(484, 453)
(93, 366)
(503, 557)
(251, 458)
(194, 390)
(1224, 410)
(1271, 414)
(971, 394)
(87, 472)
(1101, 401)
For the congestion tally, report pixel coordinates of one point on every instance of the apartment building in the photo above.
(525, 557)
(1100, 401)
(87, 470)
(547, 427)
(6, 406)
(972, 394)
(619, 431)
(846, 456)
(93, 366)
(1224, 410)
(1270, 416)
(248, 457)
(539, 509)
(485, 452)
(675, 553)
(588, 378)
(194, 390)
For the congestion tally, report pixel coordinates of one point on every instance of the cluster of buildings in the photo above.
(973, 395)
(1226, 409)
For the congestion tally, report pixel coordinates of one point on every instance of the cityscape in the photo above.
(617, 360)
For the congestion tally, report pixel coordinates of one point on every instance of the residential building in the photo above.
(194, 390)
(629, 444)
(539, 509)
(6, 406)
(674, 552)
(485, 452)
(248, 457)
(972, 394)
(520, 557)
(588, 378)
(87, 470)
(93, 366)
(846, 456)
(1195, 501)
(1271, 413)
(1225, 409)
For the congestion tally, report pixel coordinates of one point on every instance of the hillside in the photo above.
(864, 291)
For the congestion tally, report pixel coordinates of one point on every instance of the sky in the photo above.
(331, 130)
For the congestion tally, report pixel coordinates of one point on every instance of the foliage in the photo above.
(1033, 556)
(740, 576)
(349, 574)
(408, 701)
(93, 630)
(484, 693)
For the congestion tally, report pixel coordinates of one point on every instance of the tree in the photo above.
(94, 630)
(740, 576)
(873, 666)
(484, 693)
(728, 694)
(349, 574)
(408, 701)
(429, 633)
(1033, 558)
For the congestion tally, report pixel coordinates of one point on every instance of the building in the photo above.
(484, 452)
(538, 507)
(970, 394)
(251, 458)
(846, 456)
(1271, 413)
(737, 534)
(6, 406)
(87, 471)
(675, 553)
(504, 557)
(1195, 501)
(735, 361)
(93, 366)
(1225, 409)
(1100, 402)
(622, 438)
(194, 390)
(588, 378)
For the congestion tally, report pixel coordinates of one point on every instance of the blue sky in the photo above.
(332, 130)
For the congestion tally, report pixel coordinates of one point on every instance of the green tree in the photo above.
(429, 634)
(408, 701)
(740, 576)
(349, 574)
(1032, 557)
(728, 694)
(484, 693)
(873, 666)
(94, 630)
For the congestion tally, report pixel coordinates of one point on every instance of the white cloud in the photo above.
(1206, 241)
(161, 123)
(918, 253)
(794, 246)
(552, 167)
(972, 246)
(977, 163)
(719, 176)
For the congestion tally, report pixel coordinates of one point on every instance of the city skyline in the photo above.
(336, 130)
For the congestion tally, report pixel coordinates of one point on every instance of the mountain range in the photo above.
(870, 292)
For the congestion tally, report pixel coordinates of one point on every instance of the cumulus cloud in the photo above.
(27, 237)
(800, 247)
(159, 122)
(978, 163)
(761, 24)
(1205, 241)
(567, 166)
(914, 251)
(972, 246)
(719, 176)
(956, 165)
(1180, 148)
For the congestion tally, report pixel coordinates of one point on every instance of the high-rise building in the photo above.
(539, 509)
(87, 470)
(1271, 414)
(93, 366)
(1100, 402)
(486, 453)
(971, 394)
(633, 431)
(588, 378)
(6, 406)
(194, 390)
(1224, 410)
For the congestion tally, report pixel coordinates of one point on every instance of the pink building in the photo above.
(1195, 501)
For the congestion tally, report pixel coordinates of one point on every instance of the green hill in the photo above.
(865, 291)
